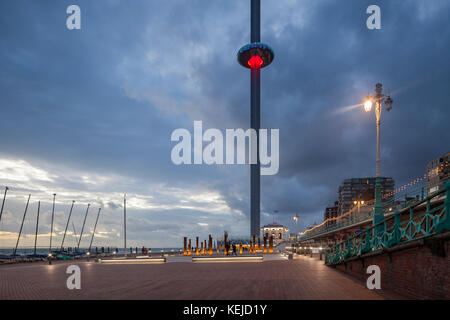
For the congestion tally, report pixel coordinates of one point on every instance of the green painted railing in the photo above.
(398, 229)
(403, 199)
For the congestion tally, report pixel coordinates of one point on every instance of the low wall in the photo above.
(420, 269)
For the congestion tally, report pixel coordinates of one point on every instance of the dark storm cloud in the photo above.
(332, 61)
(106, 99)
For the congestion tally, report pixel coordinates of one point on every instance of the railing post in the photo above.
(444, 224)
(427, 220)
(348, 252)
(411, 221)
(395, 238)
(384, 236)
(367, 245)
(378, 214)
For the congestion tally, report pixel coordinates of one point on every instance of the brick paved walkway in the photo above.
(302, 278)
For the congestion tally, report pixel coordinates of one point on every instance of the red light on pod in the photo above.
(255, 62)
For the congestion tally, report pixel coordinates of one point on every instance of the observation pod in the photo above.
(255, 55)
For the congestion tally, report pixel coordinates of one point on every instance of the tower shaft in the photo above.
(255, 123)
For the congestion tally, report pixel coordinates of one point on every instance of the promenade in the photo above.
(274, 278)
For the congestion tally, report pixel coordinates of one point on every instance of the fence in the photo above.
(399, 228)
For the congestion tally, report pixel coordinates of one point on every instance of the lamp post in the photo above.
(358, 203)
(378, 100)
(296, 224)
(255, 55)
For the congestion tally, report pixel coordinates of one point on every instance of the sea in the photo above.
(45, 250)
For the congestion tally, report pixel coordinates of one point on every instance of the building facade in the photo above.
(438, 172)
(278, 231)
(362, 189)
(331, 212)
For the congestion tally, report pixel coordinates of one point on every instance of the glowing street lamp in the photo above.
(368, 104)
(378, 100)
(358, 203)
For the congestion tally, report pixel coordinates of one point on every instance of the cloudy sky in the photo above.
(88, 114)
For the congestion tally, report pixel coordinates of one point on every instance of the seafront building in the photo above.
(278, 231)
(331, 212)
(438, 172)
(361, 189)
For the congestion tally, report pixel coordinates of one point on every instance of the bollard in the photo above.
(225, 243)
(210, 248)
(196, 246)
(265, 244)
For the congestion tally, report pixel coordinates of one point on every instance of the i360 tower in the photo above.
(255, 55)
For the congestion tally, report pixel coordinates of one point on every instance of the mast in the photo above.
(37, 226)
(67, 225)
(95, 226)
(75, 233)
(21, 226)
(3, 202)
(51, 227)
(125, 224)
(82, 228)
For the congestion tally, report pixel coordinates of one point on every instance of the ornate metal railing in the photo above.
(398, 229)
(353, 218)
(404, 198)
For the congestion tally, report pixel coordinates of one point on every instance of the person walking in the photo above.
(234, 249)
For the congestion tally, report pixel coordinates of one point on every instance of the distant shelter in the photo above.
(278, 231)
